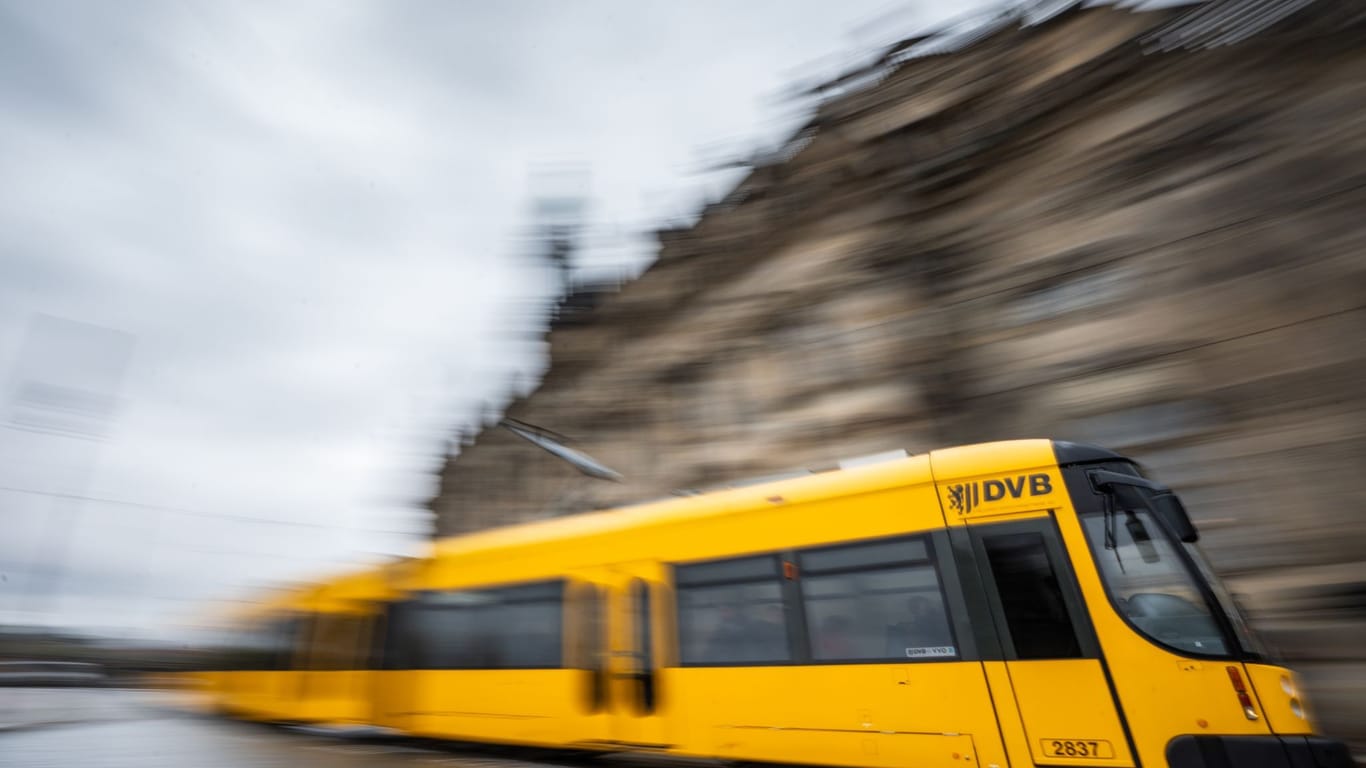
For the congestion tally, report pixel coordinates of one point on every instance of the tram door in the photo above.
(589, 653)
(636, 624)
(1053, 671)
(392, 682)
(331, 687)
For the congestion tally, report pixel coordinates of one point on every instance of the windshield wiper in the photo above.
(1109, 521)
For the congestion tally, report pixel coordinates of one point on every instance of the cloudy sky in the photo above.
(257, 260)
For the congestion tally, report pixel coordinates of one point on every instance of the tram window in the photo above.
(1031, 597)
(727, 571)
(581, 633)
(333, 641)
(256, 649)
(890, 613)
(282, 642)
(875, 601)
(531, 634)
(1158, 594)
(402, 641)
(447, 638)
(589, 636)
(377, 649)
(499, 628)
(732, 622)
(643, 642)
(864, 555)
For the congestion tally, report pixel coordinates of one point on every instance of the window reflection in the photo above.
(733, 623)
(1151, 585)
(890, 613)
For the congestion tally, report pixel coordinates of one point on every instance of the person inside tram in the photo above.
(742, 636)
(728, 639)
(926, 626)
(768, 635)
(836, 641)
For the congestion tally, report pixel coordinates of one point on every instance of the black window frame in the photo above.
(642, 598)
(319, 657)
(396, 651)
(1063, 570)
(738, 570)
(591, 642)
(789, 566)
(541, 591)
(265, 645)
(1087, 502)
(929, 544)
(1234, 647)
(287, 651)
(376, 649)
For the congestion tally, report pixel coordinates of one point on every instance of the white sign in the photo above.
(933, 651)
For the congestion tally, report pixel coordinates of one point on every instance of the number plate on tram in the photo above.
(1096, 748)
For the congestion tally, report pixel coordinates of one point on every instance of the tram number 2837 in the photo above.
(1078, 748)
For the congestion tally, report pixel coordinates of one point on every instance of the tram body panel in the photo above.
(1152, 678)
(636, 652)
(1163, 694)
(1070, 634)
(334, 697)
(1183, 664)
(836, 713)
(1055, 704)
(284, 694)
(333, 687)
(799, 519)
(1279, 691)
(515, 706)
(1068, 712)
(392, 698)
(839, 714)
(246, 695)
(508, 692)
(265, 695)
(338, 643)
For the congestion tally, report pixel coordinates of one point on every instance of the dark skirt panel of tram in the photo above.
(1257, 752)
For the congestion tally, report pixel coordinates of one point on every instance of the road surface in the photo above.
(99, 728)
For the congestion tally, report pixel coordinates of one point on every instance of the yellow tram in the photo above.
(1024, 603)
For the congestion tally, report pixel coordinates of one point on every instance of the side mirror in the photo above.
(1173, 513)
(1165, 504)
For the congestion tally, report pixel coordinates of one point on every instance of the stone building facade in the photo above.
(1144, 230)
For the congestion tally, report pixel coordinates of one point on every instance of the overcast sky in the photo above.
(284, 237)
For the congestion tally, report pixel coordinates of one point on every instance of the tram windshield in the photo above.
(1164, 588)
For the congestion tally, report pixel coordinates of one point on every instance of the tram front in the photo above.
(1194, 686)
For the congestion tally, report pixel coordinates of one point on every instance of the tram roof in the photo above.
(908, 470)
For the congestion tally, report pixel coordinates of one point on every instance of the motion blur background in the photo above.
(270, 275)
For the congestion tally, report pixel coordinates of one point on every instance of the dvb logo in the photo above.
(965, 497)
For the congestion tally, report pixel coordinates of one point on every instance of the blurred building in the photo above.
(1138, 229)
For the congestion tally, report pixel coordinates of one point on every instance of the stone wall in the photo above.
(1081, 230)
